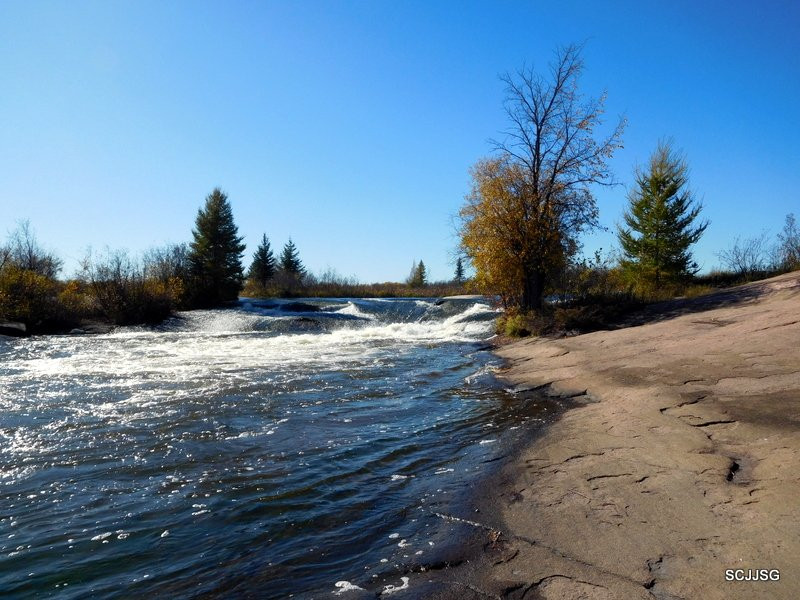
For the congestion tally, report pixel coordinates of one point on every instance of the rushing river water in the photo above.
(260, 451)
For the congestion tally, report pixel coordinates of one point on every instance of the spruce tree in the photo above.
(418, 277)
(215, 256)
(290, 260)
(459, 274)
(660, 221)
(262, 268)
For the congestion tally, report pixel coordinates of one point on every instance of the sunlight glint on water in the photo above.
(271, 448)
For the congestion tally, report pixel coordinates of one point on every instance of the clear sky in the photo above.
(351, 126)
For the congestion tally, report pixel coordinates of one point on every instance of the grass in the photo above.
(607, 309)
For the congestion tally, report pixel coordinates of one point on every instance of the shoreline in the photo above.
(468, 520)
(675, 472)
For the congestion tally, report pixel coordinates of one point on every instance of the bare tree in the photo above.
(115, 279)
(789, 244)
(24, 251)
(5, 256)
(166, 262)
(746, 255)
(552, 143)
(123, 291)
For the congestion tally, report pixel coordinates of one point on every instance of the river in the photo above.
(264, 450)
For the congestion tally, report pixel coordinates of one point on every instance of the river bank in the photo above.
(676, 471)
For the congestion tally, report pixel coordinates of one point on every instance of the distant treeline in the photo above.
(114, 287)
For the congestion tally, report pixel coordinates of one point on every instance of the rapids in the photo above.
(271, 448)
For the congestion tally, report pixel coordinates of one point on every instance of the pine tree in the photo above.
(290, 260)
(262, 268)
(660, 221)
(215, 256)
(459, 274)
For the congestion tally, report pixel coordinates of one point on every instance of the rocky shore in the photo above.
(675, 475)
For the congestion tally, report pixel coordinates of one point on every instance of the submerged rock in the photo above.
(299, 307)
(13, 329)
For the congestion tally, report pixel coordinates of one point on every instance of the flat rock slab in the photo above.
(685, 465)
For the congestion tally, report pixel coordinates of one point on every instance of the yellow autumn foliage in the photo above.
(507, 230)
(25, 295)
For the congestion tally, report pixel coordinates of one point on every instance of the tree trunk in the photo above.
(533, 290)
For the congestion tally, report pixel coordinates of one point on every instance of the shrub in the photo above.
(26, 296)
(121, 293)
(517, 324)
(74, 301)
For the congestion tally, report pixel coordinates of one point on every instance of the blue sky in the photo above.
(351, 126)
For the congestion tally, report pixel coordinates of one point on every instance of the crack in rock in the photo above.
(717, 422)
(608, 476)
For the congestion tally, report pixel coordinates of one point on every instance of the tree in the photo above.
(167, 262)
(28, 288)
(263, 267)
(789, 244)
(23, 250)
(660, 221)
(418, 275)
(215, 256)
(290, 260)
(530, 202)
(746, 256)
(458, 277)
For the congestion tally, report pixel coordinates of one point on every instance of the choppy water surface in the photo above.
(269, 449)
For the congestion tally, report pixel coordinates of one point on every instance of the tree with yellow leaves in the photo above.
(529, 203)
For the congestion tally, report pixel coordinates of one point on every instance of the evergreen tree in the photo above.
(290, 260)
(459, 274)
(215, 256)
(660, 221)
(262, 268)
(418, 276)
(412, 273)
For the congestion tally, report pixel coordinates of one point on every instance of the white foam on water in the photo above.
(391, 589)
(210, 351)
(132, 381)
(345, 586)
(351, 308)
